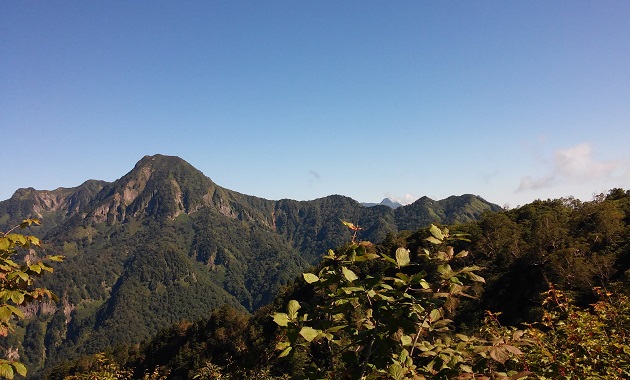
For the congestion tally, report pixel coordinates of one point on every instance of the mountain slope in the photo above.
(452, 210)
(165, 243)
(50, 206)
(385, 202)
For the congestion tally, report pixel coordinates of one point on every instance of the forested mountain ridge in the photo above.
(162, 188)
(560, 266)
(50, 206)
(164, 243)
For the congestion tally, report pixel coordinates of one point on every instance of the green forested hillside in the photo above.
(52, 207)
(561, 266)
(164, 243)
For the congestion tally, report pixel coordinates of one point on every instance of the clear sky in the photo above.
(510, 100)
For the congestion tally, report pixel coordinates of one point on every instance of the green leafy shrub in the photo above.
(391, 322)
(578, 343)
(17, 286)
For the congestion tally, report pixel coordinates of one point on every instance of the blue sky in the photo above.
(509, 100)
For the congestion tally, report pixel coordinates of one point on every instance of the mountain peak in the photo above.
(160, 161)
(388, 202)
(48, 205)
(158, 185)
(385, 202)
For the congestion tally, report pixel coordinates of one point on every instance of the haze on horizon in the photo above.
(511, 101)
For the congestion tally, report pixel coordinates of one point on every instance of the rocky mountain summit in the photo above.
(165, 243)
(385, 202)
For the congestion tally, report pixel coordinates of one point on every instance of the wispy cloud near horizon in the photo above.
(575, 165)
(403, 200)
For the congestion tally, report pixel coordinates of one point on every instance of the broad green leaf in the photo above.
(406, 279)
(282, 345)
(424, 346)
(282, 319)
(338, 317)
(417, 308)
(352, 254)
(285, 352)
(18, 239)
(406, 340)
(436, 232)
(352, 289)
(45, 267)
(435, 315)
(396, 371)
(462, 337)
(309, 333)
(472, 268)
(310, 277)
(330, 255)
(37, 268)
(5, 313)
(17, 297)
(293, 308)
(389, 259)
(19, 368)
(366, 257)
(348, 274)
(28, 222)
(350, 225)
(34, 241)
(476, 277)
(402, 257)
(461, 254)
(56, 258)
(386, 286)
(445, 270)
(385, 297)
(23, 276)
(416, 278)
(10, 263)
(335, 329)
(15, 311)
(433, 240)
(6, 370)
(5, 243)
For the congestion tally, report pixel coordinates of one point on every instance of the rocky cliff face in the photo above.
(164, 242)
(51, 206)
(166, 187)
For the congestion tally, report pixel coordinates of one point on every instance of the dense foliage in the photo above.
(164, 243)
(383, 311)
(376, 316)
(19, 266)
(581, 343)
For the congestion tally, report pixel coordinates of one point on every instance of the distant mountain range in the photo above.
(164, 243)
(385, 202)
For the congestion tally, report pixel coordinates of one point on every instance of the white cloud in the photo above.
(578, 163)
(575, 165)
(404, 200)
